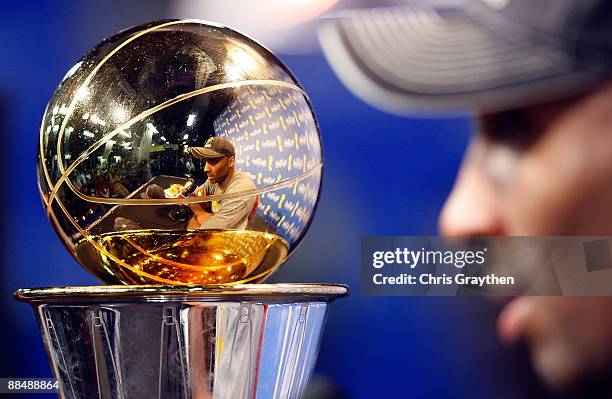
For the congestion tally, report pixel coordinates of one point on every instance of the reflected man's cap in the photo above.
(482, 54)
(153, 191)
(215, 147)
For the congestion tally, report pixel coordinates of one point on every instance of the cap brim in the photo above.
(408, 60)
(204, 153)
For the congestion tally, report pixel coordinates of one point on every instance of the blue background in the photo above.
(384, 175)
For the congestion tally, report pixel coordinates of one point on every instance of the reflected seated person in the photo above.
(218, 155)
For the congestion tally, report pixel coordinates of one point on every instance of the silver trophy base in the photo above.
(240, 341)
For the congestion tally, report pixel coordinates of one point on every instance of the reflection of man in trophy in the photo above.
(218, 155)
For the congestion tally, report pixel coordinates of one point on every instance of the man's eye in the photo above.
(522, 127)
(515, 128)
(503, 126)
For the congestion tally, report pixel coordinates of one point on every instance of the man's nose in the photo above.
(473, 207)
(207, 167)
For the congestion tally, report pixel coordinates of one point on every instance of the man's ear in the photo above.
(231, 161)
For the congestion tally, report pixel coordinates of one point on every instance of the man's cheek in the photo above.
(550, 196)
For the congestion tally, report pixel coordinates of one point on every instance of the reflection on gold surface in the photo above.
(83, 87)
(183, 257)
(126, 125)
(121, 121)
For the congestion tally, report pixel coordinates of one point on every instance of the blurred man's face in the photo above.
(217, 169)
(544, 170)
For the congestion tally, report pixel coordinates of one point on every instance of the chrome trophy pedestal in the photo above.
(220, 342)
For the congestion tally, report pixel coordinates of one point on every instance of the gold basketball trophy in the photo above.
(180, 162)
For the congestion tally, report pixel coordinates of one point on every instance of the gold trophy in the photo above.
(180, 161)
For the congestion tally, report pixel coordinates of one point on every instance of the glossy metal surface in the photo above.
(123, 116)
(244, 341)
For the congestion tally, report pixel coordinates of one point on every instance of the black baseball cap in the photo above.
(480, 54)
(215, 147)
